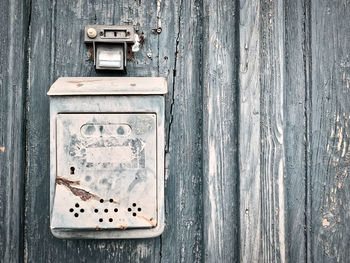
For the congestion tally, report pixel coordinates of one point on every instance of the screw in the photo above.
(159, 30)
(91, 32)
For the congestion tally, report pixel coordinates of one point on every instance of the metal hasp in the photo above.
(107, 157)
(109, 45)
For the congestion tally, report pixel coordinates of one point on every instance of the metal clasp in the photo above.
(109, 45)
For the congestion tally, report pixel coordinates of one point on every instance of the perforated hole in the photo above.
(134, 204)
(134, 214)
(106, 210)
(101, 220)
(111, 220)
(101, 200)
(129, 209)
(111, 200)
(96, 210)
(76, 205)
(116, 210)
(71, 210)
(76, 214)
(82, 210)
(139, 209)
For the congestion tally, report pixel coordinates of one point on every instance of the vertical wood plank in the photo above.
(249, 131)
(57, 50)
(296, 130)
(180, 62)
(220, 130)
(273, 204)
(330, 131)
(14, 21)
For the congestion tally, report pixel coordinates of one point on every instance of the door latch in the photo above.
(110, 45)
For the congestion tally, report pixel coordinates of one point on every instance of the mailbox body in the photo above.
(107, 157)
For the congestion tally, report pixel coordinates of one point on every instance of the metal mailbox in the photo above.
(107, 157)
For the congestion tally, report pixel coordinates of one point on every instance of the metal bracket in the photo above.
(109, 45)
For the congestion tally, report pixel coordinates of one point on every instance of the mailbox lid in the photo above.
(70, 86)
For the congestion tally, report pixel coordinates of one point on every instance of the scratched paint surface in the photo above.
(104, 179)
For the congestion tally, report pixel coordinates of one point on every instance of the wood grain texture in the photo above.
(220, 130)
(273, 171)
(296, 119)
(249, 131)
(330, 38)
(14, 19)
(180, 62)
(257, 125)
(57, 50)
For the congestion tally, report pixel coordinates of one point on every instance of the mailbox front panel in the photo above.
(106, 171)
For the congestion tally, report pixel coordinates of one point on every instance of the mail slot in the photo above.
(107, 157)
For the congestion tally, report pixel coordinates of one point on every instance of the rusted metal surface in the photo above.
(106, 160)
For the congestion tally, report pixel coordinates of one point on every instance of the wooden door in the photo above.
(257, 135)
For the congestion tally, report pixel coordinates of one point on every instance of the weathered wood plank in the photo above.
(330, 131)
(249, 131)
(220, 131)
(57, 50)
(180, 62)
(296, 130)
(14, 19)
(272, 191)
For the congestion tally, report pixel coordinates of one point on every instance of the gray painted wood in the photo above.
(14, 19)
(257, 127)
(330, 38)
(180, 61)
(220, 132)
(273, 152)
(249, 132)
(57, 50)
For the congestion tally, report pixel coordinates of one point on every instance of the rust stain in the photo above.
(2, 148)
(81, 193)
(80, 85)
(132, 84)
(130, 54)
(91, 52)
(152, 223)
(66, 182)
(123, 227)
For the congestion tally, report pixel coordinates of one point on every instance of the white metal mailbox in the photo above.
(107, 157)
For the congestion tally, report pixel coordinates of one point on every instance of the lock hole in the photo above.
(82, 210)
(116, 210)
(96, 210)
(134, 214)
(111, 200)
(71, 210)
(76, 205)
(111, 220)
(76, 214)
(72, 170)
(101, 200)
(101, 220)
(106, 210)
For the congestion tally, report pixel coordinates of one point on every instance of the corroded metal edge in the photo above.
(108, 86)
